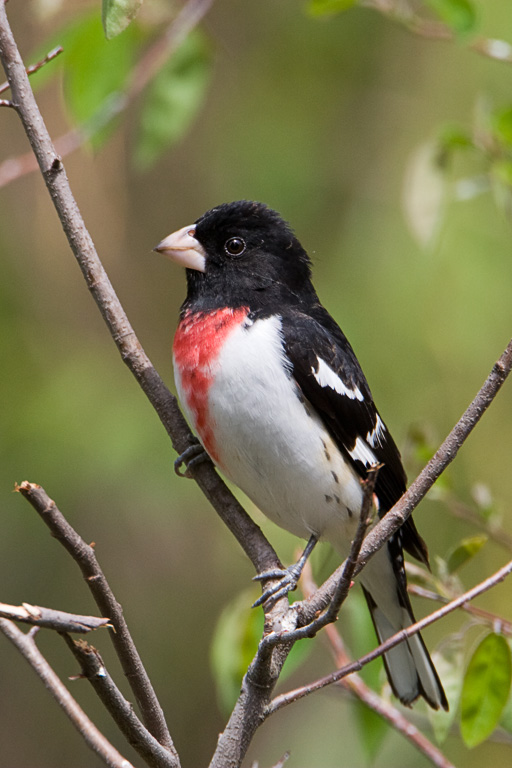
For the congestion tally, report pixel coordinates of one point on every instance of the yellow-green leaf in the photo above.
(464, 551)
(373, 730)
(116, 15)
(459, 15)
(485, 690)
(328, 7)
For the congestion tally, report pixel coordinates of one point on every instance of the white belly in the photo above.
(271, 445)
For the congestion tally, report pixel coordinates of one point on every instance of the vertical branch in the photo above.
(85, 558)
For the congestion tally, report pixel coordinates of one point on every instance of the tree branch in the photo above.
(52, 619)
(120, 709)
(385, 709)
(35, 67)
(287, 698)
(247, 533)
(495, 622)
(85, 557)
(358, 688)
(25, 643)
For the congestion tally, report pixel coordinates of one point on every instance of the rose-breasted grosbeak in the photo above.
(279, 401)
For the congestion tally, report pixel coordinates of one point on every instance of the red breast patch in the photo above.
(197, 344)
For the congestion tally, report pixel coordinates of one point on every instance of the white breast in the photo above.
(272, 445)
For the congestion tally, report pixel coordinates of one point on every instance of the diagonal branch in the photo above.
(382, 707)
(26, 644)
(287, 698)
(35, 67)
(85, 557)
(391, 714)
(247, 533)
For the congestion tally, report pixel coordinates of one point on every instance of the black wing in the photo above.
(327, 371)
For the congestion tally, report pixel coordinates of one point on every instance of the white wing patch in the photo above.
(326, 377)
(361, 452)
(376, 437)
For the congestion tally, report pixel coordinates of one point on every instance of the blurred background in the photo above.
(383, 150)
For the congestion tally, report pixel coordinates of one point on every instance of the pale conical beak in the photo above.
(184, 249)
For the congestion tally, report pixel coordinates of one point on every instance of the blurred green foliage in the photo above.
(390, 154)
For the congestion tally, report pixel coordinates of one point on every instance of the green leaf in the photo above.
(502, 125)
(449, 667)
(451, 139)
(459, 15)
(94, 72)
(328, 7)
(234, 644)
(95, 69)
(358, 627)
(506, 715)
(373, 730)
(116, 15)
(464, 551)
(173, 99)
(485, 690)
(501, 171)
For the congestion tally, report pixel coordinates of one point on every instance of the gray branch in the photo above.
(120, 709)
(85, 557)
(61, 621)
(26, 645)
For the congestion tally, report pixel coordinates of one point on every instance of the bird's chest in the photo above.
(236, 385)
(197, 348)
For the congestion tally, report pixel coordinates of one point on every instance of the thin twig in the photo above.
(85, 557)
(287, 698)
(144, 71)
(25, 643)
(492, 619)
(52, 619)
(355, 685)
(121, 710)
(35, 67)
(494, 531)
(385, 709)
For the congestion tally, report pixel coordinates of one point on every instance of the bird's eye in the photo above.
(235, 246)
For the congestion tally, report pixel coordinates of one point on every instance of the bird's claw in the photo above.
(193, 455)
(288, 579)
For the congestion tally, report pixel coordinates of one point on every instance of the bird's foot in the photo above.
(195, 454)
(288, 577)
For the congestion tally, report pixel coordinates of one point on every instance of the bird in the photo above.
(280, 404)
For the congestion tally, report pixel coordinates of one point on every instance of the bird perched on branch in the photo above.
(280, 403)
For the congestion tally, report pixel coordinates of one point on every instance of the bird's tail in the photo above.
(410, 670)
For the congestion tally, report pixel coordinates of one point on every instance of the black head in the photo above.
(241, 254)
